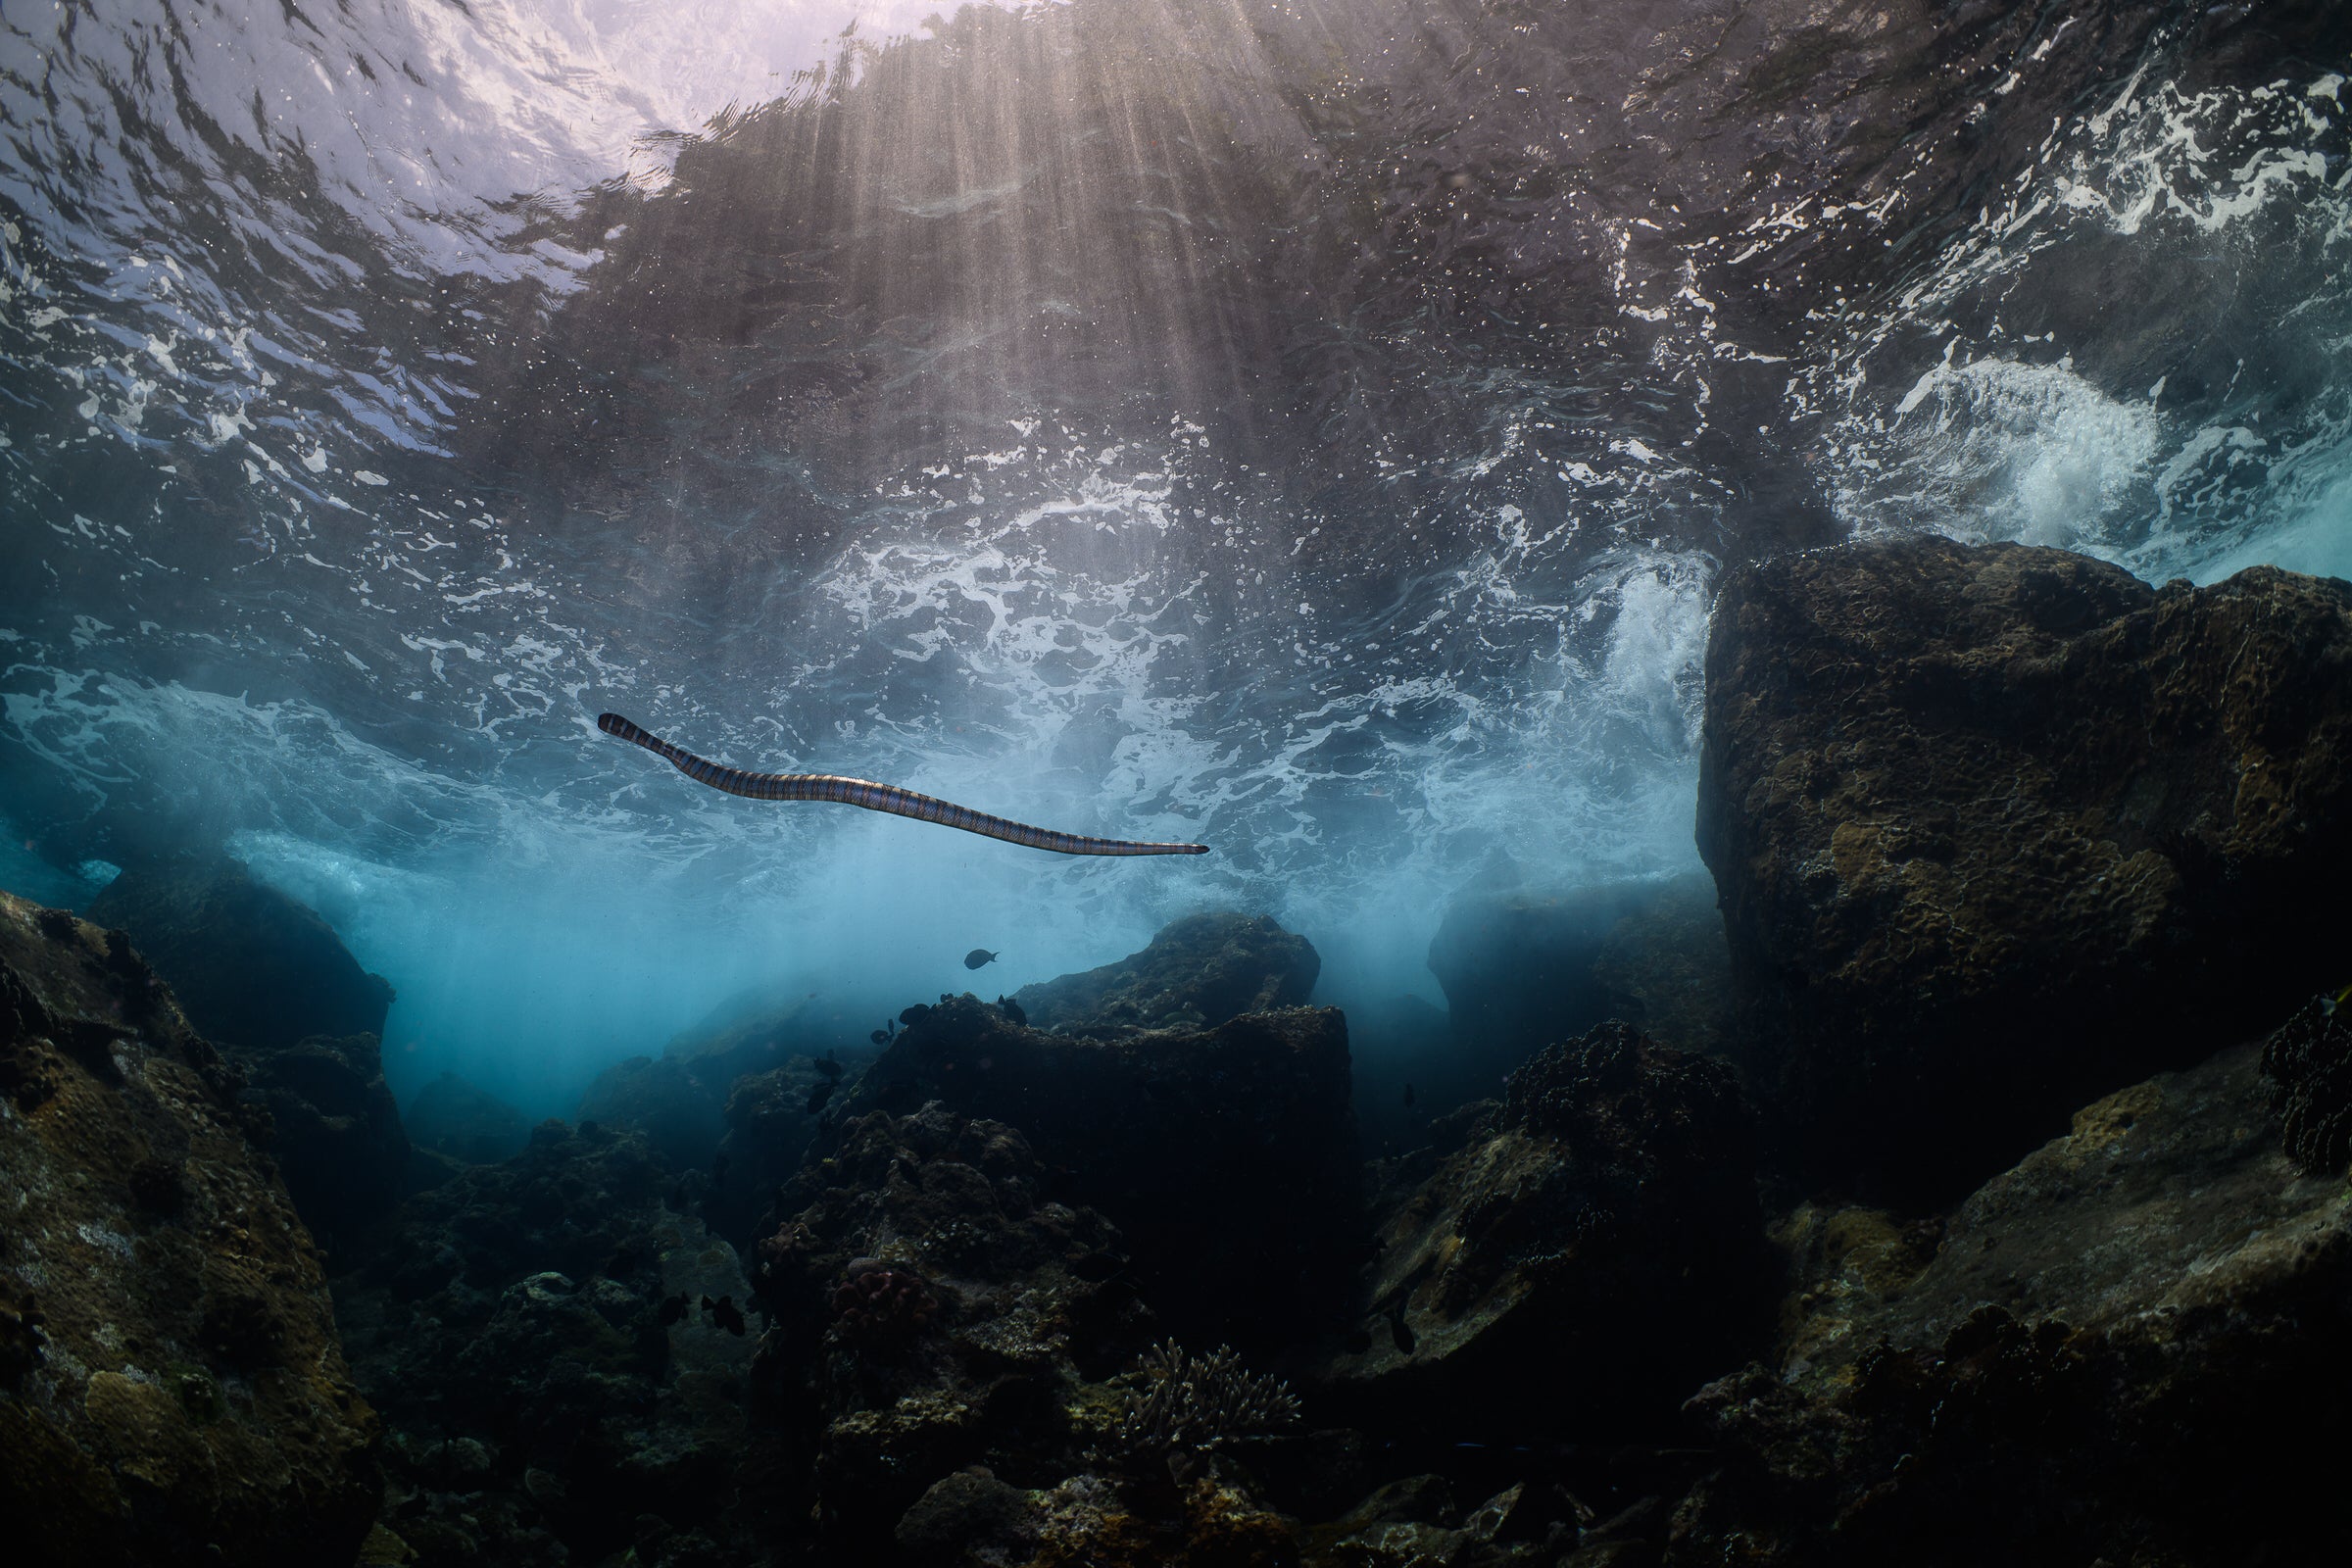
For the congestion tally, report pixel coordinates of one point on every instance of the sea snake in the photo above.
(876, 798)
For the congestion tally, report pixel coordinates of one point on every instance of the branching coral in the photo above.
(2310, 1058)
(1199, 1401)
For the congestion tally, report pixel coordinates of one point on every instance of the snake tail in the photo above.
(874, 797)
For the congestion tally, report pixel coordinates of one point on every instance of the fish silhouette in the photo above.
(1013, 1009)
(725, 1314)
(978, 957)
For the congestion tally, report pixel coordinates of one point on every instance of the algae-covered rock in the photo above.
(173, 1389)
(1998, 829)
(2120, 1339)
(1592, 1254)
(1226, 1155)
(1198, 972)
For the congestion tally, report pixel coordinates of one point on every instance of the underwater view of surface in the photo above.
(1315, 429)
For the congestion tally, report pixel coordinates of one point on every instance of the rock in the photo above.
(1020, 1297)
(452, 1116)
(172, 1390)
(2118, 1338)
(1227, 1155)
(678, 1099)
(1591, 1255)
(334, 1129)
(769, 1128)
(1198, 972)
(2309, 1057)
(1525, 968)
(511, 1325)
(1998, 829)
(252, 966)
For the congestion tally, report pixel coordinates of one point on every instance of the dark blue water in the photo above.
(1311, 429)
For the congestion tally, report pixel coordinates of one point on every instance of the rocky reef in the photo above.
(1227, 1154)
(171, 1387)
(1196, 972)
(1788, 1252)
(2000, 829)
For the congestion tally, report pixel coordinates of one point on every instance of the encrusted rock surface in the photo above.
(2107, 1339)
(2309, 1058)
(1998, 829)
(1592, 1254)
(1226, 1155)
(1198, 972)
(170, 1385)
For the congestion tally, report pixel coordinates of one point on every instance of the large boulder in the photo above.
(1592, 1254)
(1226, 1155)
(171, 1388)
(1198, 972)
(2121, 1339)
(1998, 829)
(252, 966)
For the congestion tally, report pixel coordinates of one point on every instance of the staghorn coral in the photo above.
(2310, 1058)
(1199, 1402)
(879, 1306)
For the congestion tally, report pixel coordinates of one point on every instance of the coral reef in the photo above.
(1192, 1403)
(1998, 829)
(172, 1390)
(1198, 972)
(509, 1325)
(1226, 1156)
(2310, 1058)
(1591, 1253)
(879, 1306)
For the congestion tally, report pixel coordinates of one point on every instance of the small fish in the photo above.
(674, 1308)
(1408, 1097)
(978, 957)
(916, 1014)
(879, 1038)
(827, 1069)
(818, 1094)
(725, 1314)
(1013, 1009)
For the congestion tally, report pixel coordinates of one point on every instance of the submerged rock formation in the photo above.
(1589, 1255)
(2118, 1338)
(1998, 829)
(252, 966)
(1198, 972)
(455, 1117)
(1226, 1155)
(172, 1390)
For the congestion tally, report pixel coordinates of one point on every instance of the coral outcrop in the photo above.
(1198, 972)
(2309, 1057)
(1998, 829)
(1592, 1254)
(1227, 1155)
(172, 1390)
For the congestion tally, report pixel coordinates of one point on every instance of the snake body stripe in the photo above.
(888, 797)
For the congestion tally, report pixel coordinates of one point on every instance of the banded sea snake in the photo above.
(876, 798)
